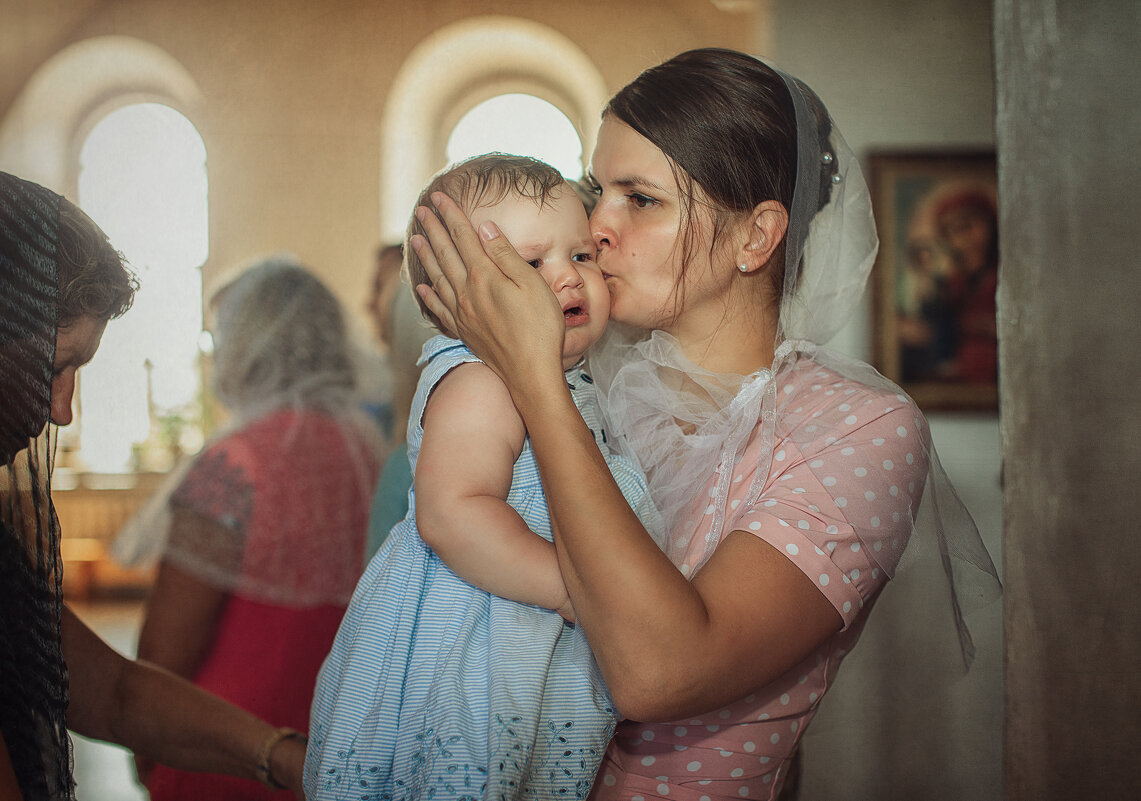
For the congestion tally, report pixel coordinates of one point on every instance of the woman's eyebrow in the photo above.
(638, 182)
(628, 182)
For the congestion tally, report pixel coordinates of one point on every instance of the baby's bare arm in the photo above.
(472, 437)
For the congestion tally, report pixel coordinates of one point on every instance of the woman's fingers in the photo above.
(464, 237)
(436, 276)
(483, 291)
(432, 300)
(454, 241)
(434, 295)
(488, 239)
(436, 249)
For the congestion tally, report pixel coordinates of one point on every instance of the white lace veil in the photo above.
(683, 423)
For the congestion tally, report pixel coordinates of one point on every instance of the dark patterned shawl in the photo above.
(33, 675)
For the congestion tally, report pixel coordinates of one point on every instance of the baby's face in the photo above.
(556, 241)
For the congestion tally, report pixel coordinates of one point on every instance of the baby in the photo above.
(451, 678)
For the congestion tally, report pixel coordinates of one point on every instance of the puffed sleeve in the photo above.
(848, 472)
(218, 489)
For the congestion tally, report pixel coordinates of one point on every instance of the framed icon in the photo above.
(936, 275)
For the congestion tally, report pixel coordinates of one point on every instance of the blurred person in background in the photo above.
(261, 535)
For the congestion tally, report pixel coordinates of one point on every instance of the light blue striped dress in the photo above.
(435, 689)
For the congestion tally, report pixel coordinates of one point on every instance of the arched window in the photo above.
(72, 130)
(521, 124)
(512, 68)
(143, 179)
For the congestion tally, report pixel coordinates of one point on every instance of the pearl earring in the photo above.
(744, 268)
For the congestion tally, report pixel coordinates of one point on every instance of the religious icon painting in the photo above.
(936, 276)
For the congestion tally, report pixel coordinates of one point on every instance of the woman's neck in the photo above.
(739, 343)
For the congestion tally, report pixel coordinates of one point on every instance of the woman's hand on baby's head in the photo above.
(484, 291)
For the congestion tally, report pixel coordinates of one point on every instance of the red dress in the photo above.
(294, 489)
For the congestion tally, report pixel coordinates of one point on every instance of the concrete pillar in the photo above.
(1069, 145)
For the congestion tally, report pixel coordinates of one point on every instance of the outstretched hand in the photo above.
(493, 300)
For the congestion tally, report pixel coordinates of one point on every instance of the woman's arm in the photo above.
(181, 617)
(160, 715)
(182, 611)
(668, 647)
(472, 437)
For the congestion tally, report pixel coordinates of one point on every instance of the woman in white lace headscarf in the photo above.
(262, 534)
(736, 234)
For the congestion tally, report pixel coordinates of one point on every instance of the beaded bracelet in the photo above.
(265, 774)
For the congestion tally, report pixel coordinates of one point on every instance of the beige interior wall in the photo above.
(293, 94)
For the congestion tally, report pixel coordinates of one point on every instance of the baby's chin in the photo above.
(574, 353)
(576, 344)
(570, 361)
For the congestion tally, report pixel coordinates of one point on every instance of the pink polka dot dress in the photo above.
(847, 473)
